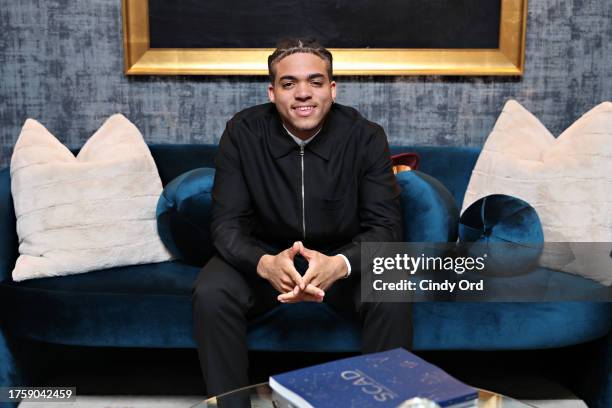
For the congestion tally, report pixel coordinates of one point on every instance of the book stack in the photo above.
(389, 379)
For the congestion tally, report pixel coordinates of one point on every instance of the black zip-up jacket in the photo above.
(337, 191)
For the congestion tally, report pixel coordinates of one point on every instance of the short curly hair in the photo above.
(290, 46)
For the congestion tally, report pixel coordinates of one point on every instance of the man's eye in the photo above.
(317, 83)
(287, 84)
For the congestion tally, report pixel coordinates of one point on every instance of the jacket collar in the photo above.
(281, 143)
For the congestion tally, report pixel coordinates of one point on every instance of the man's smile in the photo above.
(304, 110)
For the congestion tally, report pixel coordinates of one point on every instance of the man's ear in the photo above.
(333, 90)
(271, 93)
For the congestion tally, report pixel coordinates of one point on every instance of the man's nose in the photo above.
(302, 92)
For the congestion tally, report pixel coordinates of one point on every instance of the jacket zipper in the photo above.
(303, 210)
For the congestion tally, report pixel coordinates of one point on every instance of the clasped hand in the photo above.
(322, 272)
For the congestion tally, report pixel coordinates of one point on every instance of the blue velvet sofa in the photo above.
(150, 305)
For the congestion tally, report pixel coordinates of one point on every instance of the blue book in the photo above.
(382, 380)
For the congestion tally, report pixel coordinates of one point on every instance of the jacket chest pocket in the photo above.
(332, 218)
(334, 194)
(333, 203)
(337, 201)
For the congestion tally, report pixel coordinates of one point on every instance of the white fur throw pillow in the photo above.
(93, 211)
(568, 180)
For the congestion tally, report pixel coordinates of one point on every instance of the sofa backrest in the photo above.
(452, 166)
(172, 160)
(8, 228)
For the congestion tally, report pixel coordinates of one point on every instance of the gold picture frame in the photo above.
(507, 60)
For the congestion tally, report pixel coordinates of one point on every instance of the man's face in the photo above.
(302, 92)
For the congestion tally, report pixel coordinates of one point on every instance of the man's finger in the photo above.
(285, 288)
(286, 297)
(311, 298)
(314, 291)
(307, 253)
(316, 281)
(310, 293)
(295, 249)
(279, 288)
(310, 290)
(308, 277)
(305, 297)
(295, 276)
(290, 297)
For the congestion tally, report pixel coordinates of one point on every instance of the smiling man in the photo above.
(300, 182)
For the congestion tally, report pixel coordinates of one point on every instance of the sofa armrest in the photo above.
(429, 209)
(8, 230)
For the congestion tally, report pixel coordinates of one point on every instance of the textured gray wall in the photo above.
(61, 62)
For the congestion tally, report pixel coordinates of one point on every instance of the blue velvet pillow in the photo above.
(509, 229)
(429, 209)
(183, 216)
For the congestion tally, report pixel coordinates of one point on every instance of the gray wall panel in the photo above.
(61, 63)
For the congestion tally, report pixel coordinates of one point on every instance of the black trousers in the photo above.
(224, 300)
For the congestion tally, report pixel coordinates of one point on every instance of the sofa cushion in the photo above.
(150, 306)
(430, 213)
(405, 162)
(183, 216)
(567, 179)
(508, 326)
(508, 229)
(172, 278)
(133, 306)
(93, 211)
(440, 326)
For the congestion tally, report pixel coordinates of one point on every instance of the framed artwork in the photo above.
(387, 37)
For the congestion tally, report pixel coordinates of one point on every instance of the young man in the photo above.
(299, 181)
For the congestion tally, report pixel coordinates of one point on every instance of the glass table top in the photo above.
(262, 396)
